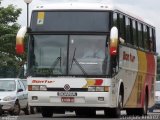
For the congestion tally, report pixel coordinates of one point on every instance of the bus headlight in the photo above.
(37, 88)
(43, 88)
(91, 89)
(98, 88)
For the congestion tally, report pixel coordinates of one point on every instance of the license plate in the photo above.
(67, 99)
(67, 94)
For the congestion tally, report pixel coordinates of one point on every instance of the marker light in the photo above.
(37, 88)
(98, 88)
(20, 40)
(113, 41)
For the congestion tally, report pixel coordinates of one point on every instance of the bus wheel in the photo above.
(118, 109)
(139, 111)
(115, 112)
(47, 112)
(33, 110)
(27, 110)
(144, 110)
(145, 105)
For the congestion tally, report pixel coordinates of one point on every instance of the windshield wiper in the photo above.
(59, 59)
(77, 63)
(56, 62)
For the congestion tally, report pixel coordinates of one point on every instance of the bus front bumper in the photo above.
(83, 99)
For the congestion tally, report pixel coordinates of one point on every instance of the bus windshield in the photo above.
(68, 55)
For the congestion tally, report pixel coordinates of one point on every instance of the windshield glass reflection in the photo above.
(89, 54)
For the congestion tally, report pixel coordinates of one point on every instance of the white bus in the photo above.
(87, 57)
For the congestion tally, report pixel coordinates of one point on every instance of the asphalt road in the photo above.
(72, 116)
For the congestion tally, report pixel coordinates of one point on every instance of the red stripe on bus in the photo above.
(98, 82)
(149, 79)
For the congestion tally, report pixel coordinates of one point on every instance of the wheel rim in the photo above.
(120, 104)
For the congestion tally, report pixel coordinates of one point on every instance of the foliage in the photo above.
(8, 30)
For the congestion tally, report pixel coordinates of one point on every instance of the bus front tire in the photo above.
(47, 112)
(115, 112)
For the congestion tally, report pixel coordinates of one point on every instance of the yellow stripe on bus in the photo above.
(135, 97)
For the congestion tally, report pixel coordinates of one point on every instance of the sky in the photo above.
(147, 9)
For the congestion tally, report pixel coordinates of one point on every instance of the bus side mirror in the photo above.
(20, 40)
(113, 41)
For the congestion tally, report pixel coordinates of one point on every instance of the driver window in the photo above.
(18, 85)
(22, 86)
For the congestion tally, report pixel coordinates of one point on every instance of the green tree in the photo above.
(9, 61)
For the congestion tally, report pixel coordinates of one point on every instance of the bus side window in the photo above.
(154, 40)
(145, 37)
(140, 41)
(150, 40)
(134, 33)
(128, 30)
(115, 20)
(148, 37)
(122, 26)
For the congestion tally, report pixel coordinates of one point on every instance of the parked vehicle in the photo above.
(13, 96)
(157, 97)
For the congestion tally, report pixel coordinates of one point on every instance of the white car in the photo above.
(157, 97)
(13, 96)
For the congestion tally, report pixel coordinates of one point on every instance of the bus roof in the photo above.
(74, 6)
(89, 6)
